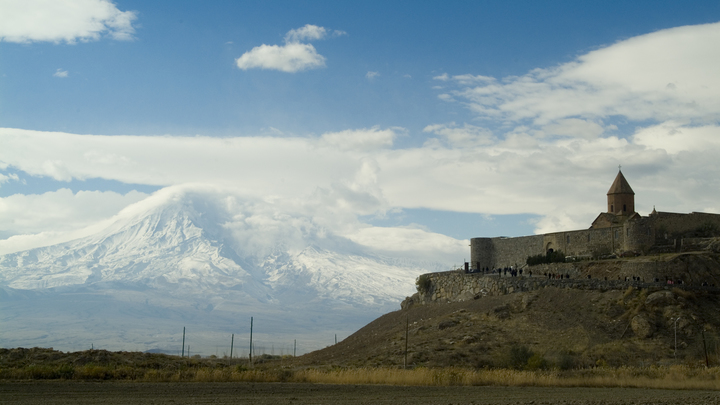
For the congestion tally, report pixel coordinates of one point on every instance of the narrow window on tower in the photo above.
(612, 208)
(624, 208)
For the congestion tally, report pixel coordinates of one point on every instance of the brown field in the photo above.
(117, 392)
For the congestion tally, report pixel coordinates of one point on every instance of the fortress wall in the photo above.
(577, 243)
(585, 242)
(454, 286)
(458, 286)
(640, 235)
(601, 242)
(515, 251)
(672, 223)
(502, 252)
(482, 253)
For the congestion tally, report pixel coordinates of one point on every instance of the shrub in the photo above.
(705, 230)
(536, 362)
(556, 256)
(566, 361)
(423, 283)
(515, 356)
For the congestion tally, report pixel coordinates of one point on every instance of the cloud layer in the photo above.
(292, 57)
(67, 21)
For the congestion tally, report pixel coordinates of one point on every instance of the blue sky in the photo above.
(177, 75)
(460, 118)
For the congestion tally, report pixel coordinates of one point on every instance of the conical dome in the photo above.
(620, 185)
(621, 197)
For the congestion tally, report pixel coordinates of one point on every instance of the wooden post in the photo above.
(251, 346)
(232, 340)
(183, 349)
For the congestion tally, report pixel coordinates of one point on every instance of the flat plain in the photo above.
(116, 392)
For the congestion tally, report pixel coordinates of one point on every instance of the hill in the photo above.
(564, 327)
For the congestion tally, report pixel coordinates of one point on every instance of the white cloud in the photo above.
(357, 172)
(665, 75)
(675, 138)
(67, 21)
(574, 127)
(57, 212)
(276, 163)
(359, 140)
(307, 33)
(5, 178)
(292, 57)
(418, 242)
(371, 75)
(443, 77)
(467, 135)
(470, 79)
(60, 73)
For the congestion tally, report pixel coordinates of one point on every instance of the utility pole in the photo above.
(294, 347)
(336, 338)
(407, 327)
(232, 340)
(676, 320)
(183, 349)
(707, 362)
(251, 346)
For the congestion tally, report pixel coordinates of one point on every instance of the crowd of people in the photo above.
(512, 271)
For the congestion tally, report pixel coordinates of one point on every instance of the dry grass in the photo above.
(673, 377)
(665, 377)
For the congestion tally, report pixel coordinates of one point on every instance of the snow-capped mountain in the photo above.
(189, 254)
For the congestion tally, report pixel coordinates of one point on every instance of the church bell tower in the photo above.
(621, 197)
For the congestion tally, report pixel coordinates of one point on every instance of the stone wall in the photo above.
(675, 225)
(503, 252)
(640, 235)
(458, 286)
(514, 251)
(696, 271)
(585, 242)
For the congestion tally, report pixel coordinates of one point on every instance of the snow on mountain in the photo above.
(210, 255)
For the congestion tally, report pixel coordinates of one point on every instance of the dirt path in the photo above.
(111, 393)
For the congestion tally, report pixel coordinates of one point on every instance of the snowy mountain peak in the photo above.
(217, 255)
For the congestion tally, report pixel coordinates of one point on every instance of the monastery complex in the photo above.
(620, 231)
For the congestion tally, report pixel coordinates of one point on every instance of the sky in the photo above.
(458, 119)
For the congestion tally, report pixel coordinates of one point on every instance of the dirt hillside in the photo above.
(564, 328)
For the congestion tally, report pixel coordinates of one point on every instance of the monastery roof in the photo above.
(620, 185)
